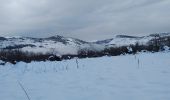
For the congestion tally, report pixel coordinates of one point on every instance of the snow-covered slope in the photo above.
(145, 76)
(60, 45)
(124, 40)
(56, 44)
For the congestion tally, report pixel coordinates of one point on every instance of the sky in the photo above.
(83, 19)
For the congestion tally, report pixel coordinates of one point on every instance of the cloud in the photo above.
(84, 19)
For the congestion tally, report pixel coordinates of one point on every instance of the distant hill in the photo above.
(27, 49)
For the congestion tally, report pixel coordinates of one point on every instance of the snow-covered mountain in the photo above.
(125, 40)
(60, 45)
(56, 44)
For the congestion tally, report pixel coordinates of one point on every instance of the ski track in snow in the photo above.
(105, 78)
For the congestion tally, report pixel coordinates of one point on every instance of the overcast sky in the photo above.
(83, 19)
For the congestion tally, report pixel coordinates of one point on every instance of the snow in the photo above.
(119, 41)
(105, 78)
(166, 48)
(125, 41)
(50, 46)
(63, 45)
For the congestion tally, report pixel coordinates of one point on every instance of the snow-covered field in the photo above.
(145, 76)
